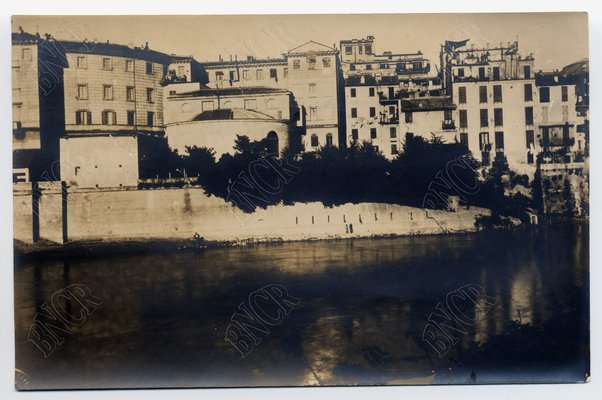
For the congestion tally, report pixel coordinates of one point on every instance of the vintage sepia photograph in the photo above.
(216, 201)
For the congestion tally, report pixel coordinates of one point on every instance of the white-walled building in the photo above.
(213, 118)
(311, 72)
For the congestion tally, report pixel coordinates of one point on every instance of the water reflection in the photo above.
(364, 307)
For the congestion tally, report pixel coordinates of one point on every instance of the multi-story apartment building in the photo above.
(311, 72)
(37, 67)
(358, 56)
(496, 95)
(557, 132)
(104, 97)
(389, 95)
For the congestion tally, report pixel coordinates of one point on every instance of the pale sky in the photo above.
(555, 39)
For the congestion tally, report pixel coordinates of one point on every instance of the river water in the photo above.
(363, 307)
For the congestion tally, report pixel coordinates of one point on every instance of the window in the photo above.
(544, 94)
(394, 149)
(496, 73)
(273, 73)
(460, 72)
(368, 67)
(565, 113)
(311, 61)
(352, 92)
(250, 104)
(107, 64)
(392, 110)
(544, 114)
(393, 132)
(498, 117)
(360, 49)
(462, 95)
(259, 74)
(245, 74)
(527, 71)
(109, 117)
(483, 141)
(26, 54)
(528, 92)
(447, 115)
(464, 139)
(371, 91)
(83, 117)
(219, 75)
(482, 94)
(129, 65)
(484, 118)
(130, 93)
(296, 64)
(313, 113)
(373, 111)
(107, 92)
(373, 133)
(285, 72)
(131, 118)
(354, 134)
(354, 112)
(149, 68)
(497, 93)
(150, 95)
(326, 62)
(351, 67)
(530, 139)
(232, 75)
(528, 115)
(368, 49)
(565, 93)
(82, 92)
(409, 117)
(348, 50)
(329, 139)
(499, 140)
(314, 140)
(150, 118)
(482, 73)
(81, 62)
(312, 88)
(463, 119)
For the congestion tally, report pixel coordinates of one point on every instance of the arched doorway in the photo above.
(271, 143)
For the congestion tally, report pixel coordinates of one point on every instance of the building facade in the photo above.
(213, 118)
(311, 72)
(391, 94)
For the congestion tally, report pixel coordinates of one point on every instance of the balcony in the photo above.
(389, 119)
(448, 125)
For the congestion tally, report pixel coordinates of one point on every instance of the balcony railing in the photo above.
(387, 120)
(448, 125)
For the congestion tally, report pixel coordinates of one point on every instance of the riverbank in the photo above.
(47, 249)
(57, 217)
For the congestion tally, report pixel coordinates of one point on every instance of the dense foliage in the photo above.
(358, 173)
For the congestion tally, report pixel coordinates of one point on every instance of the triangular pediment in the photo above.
(311, 46)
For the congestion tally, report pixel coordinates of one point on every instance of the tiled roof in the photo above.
(231, 113)
(578, 67)
(232, 91)
(23, 37)
(113, 49)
